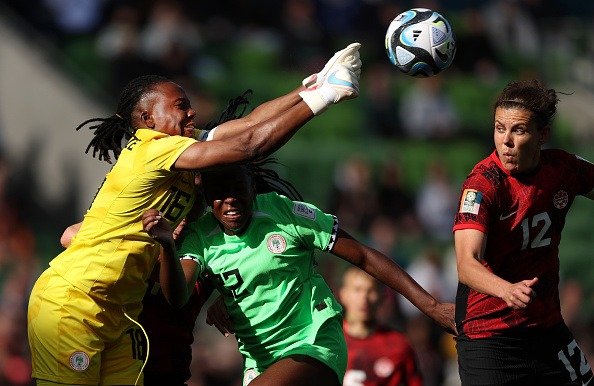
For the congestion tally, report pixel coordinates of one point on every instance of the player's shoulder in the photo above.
(486, 174)
(558, 156)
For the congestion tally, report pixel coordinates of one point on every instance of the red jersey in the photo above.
(384, 358)
(171, 333)
(523, 216)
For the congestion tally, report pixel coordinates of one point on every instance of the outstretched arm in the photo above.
(273, 123)
(261, 113)
(391, 274)
(470, 244)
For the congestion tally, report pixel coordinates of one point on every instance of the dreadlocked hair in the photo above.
(232, 111)
(109, 133)
(268, 180)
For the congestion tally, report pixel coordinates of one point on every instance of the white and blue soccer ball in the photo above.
(420, 42)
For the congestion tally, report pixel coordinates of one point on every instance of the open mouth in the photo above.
(232, 215)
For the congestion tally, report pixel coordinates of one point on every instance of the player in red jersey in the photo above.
(507, 232)
(377, 355)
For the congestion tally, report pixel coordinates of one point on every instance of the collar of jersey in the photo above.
(518, 176)
(147, 134)
(495, 158)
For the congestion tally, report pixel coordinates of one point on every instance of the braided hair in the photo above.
(265, 178)
(109, 133)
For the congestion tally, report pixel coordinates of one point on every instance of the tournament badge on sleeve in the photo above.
(471, 201)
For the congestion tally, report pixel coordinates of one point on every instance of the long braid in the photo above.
(231, 111)
(109, 133)
(266, 179)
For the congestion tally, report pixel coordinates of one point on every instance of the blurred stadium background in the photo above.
(388, 164)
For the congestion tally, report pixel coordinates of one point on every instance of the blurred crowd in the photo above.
(194, 44)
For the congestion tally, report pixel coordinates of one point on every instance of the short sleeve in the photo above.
(475, 205)
(585, 173)
(192, 247)
(315, 228)
(163, 152)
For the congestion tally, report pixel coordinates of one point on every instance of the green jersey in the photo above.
(276, 299)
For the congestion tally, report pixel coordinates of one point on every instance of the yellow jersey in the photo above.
(111, 256)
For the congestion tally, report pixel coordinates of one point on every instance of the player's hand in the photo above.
(156, 226)
(444, 314)
(348, 57)
(519, 295)
(217, 316)
(179, 229)
(340, 84)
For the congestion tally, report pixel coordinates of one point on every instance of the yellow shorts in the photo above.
(77, 339)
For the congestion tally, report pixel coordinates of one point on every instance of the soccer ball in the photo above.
(420, 42)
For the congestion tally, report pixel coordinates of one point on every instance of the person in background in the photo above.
(507, 233)
(377, 355)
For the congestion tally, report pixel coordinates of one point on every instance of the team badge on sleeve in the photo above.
(471, 201)
(303, 210)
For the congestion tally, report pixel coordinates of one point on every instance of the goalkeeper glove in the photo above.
(340, 84)
(348, 57)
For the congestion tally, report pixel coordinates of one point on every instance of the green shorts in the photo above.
(327, 346)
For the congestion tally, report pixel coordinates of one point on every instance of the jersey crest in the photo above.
(561, 199)
(79, 361)
(276, 243)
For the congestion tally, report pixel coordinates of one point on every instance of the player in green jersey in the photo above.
(259, 248)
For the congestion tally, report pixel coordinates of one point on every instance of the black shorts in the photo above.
(550, 357)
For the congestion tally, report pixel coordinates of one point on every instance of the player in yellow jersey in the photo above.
(83, 309)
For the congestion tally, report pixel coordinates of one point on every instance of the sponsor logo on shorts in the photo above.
(471, 201)
(249, 376)
(560, 199)
(303, 210)
(79, 361)
(276, 243)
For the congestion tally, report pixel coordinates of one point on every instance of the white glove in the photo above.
(340, 84)
(348, 57)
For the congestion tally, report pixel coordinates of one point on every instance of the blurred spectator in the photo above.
(392, 195)
(302, 35)
(475, 52)
(383, 236)
(19, 266)
(436, 202)
(75, 17)
(118, 43)
(512, 29)
(381, 102)
(352, 198)
(425, 338)
(427, 111)
(427, 270)
(169, 39)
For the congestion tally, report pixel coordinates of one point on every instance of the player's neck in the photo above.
(359, 329)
